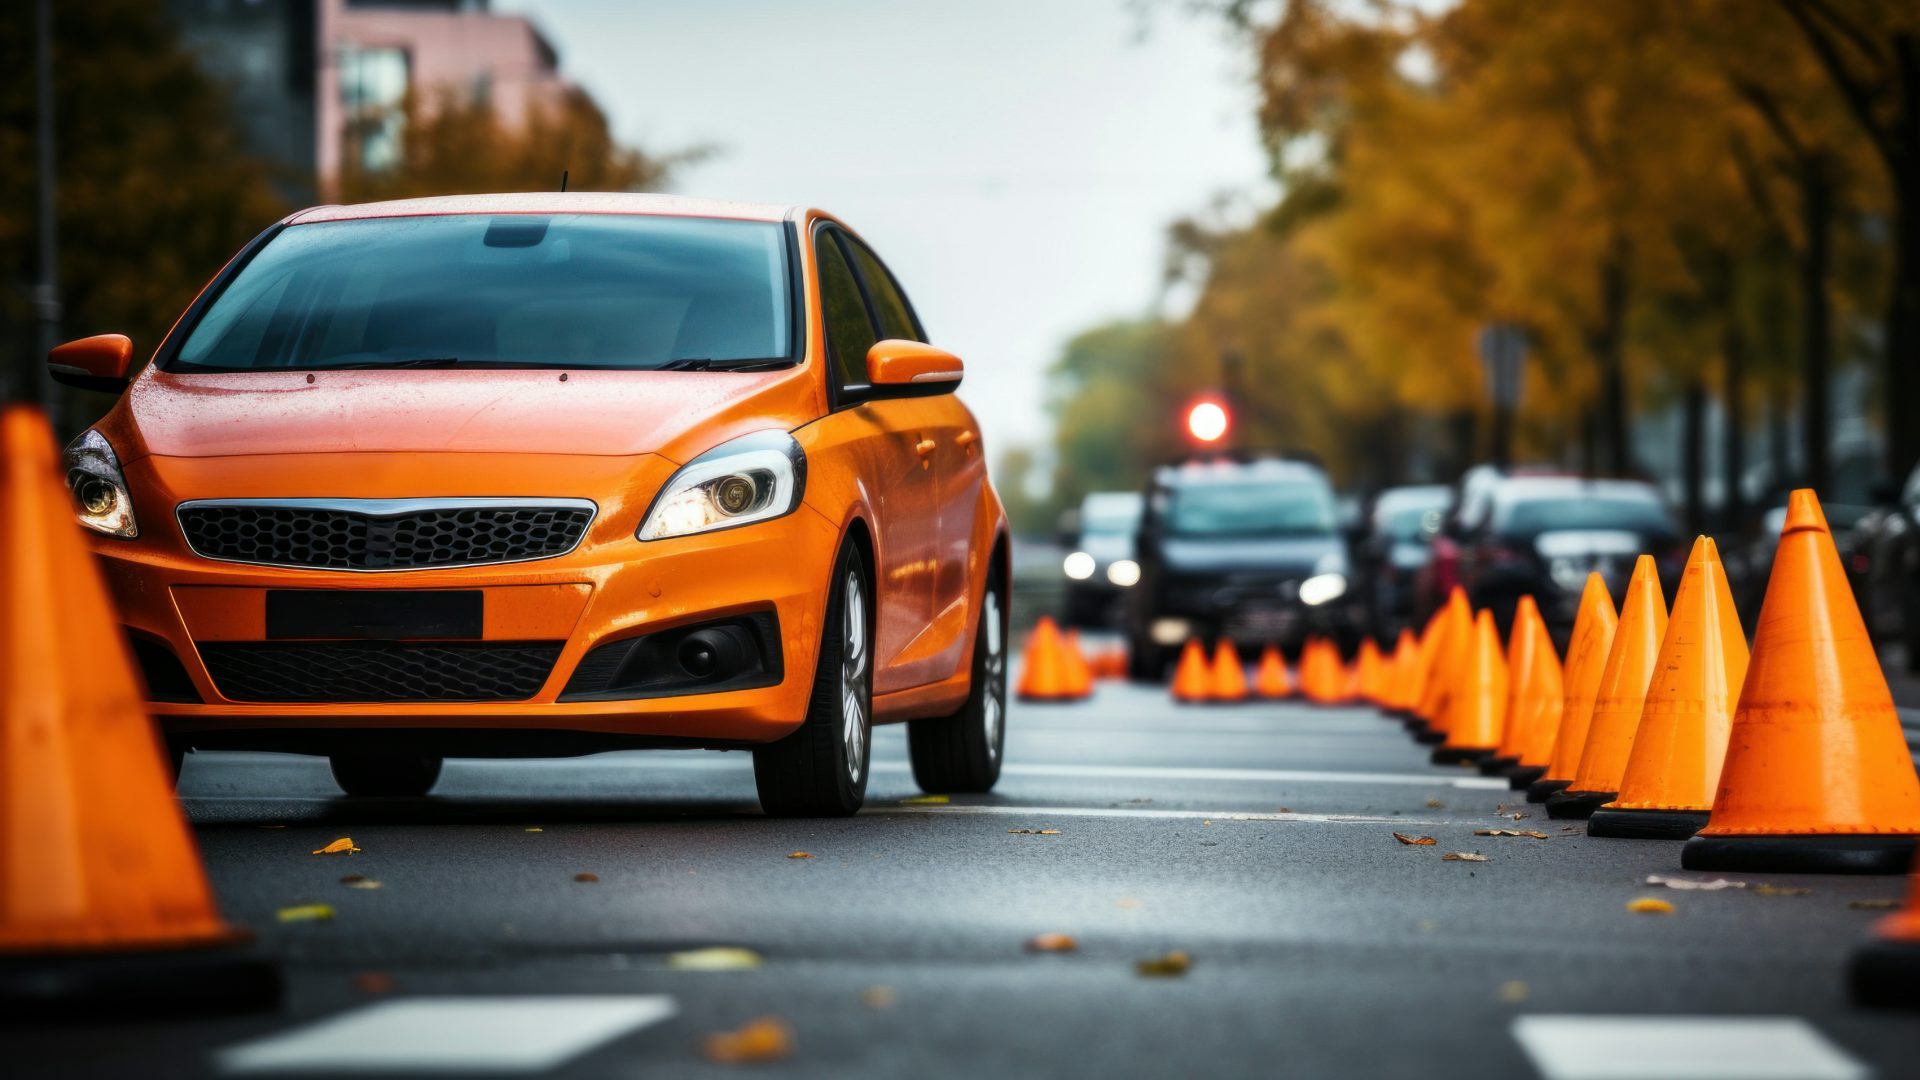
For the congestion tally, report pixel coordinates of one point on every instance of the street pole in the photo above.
(32, 381)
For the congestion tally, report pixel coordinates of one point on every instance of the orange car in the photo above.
(547, 474)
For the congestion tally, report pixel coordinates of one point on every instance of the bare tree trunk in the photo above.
(1816, 319)
(1609, 348)
(1779, 457)
(1693, 453)
(1733, 399)
(1902, 390)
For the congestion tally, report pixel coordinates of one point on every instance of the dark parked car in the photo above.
(1099, 565)
(1396, 545)
(1243, 549)
(1544, 534)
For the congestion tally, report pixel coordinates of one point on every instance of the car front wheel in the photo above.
(961, 753)
(821, 769)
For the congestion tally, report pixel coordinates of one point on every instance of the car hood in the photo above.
(1280, 555)
(673, 413)
(1106, 547)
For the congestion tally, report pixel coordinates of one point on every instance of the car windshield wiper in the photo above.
(410, 362)
(705, 363)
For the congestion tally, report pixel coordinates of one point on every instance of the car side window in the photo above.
(849, 331)
(890, 307)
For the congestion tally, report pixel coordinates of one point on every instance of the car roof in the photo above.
(1225, 470)
(550, 202)
(1116, 501)
(1528, 488)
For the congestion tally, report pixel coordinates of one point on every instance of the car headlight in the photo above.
(1078, 566)
(1567, 574)
(1170, 631)
(755, 477)
(1321, 588)
(100, 498)
(1124, 573)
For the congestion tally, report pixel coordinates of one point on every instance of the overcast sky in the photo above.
(1015, 161)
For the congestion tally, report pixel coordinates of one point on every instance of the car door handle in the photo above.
(925, 447)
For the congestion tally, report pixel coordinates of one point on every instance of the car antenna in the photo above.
(563, 179)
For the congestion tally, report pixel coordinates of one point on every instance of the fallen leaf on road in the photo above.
(359, 881)
(1694, 884)
(586, 877)
(1171, 965)
(718, 958)
(373, 983)
(926, 800)
(765, 1039)
(307, 913)
(1284, 810)
(1780, 890)
(1052, 943)
(878, 997)
(1535, 833)
(1206, 823)
(1465, 856)
(536, 829)
(1035, 832)
(1513, 991)
(1405, 839)
(1647, 905)
(801, 855)
(1517, 816)
(1436, 804)
(1873, 905)
(342, 846)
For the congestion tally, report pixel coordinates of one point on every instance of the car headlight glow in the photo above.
(1321, 588)
(753, 478)
(1170, 631)
(1124, 573)
(1078, 566)
(100, 498)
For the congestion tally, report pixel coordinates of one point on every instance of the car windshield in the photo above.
(1253, 508)
(520, 290)
(1531, 517)
(1109, 517)
(1407, 522)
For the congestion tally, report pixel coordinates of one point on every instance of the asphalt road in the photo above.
(1258, 839)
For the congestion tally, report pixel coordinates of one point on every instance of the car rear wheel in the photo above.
(961, 753)
(821, 769)
(385, 775)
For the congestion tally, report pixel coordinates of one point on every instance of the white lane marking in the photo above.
(1285, 776)
(461, 1035)
(1681, 1048)
(1040, 812)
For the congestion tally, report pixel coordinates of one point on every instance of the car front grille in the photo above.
(369, 534)
(363, 671)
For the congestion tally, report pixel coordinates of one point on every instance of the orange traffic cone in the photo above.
(1477, 710)
(1369, 673)
(1193, 676)
(1079, 672)
(1412, 713)
(1450, 655)
(1535, 696)
(104, 904)
(1621, 695)
(1886, 971)
(1402, 674)
(1227, 680)
(1817, 776)
(1270, 678)
(1046, 673)
(1592, 640)
(1674, 767)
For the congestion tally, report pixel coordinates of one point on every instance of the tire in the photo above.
(821, 769)
(385, 775)
(961, 753)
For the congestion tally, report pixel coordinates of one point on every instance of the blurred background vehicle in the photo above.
(1543, 535)
(1099, 564)
(1246, 550)
(1396, 544)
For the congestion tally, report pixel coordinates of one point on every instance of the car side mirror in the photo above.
(100, 362)
(898, 368)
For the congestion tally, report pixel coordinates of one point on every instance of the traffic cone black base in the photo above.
(1857, 854)
(110, 985)
(1430, 737)
(1575, 805)
(1497, 766)
(1646, 824)
(1459, 755)
(1886, 974)
(1522, 777)
(1540, 790)
(1415, 724)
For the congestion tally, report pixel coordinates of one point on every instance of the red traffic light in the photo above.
(1207, 421)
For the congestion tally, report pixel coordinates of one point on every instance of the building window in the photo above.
(373, 93)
